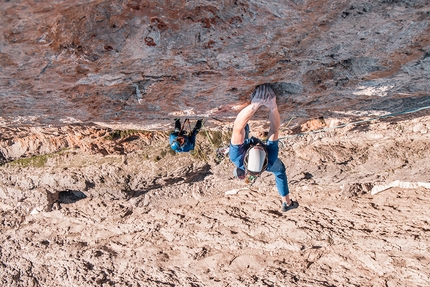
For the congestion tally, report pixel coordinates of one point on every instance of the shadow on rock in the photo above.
(188, 178)
(70, 196)
(198, 175)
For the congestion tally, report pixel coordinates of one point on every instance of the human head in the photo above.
(255, 160)
(177, 143)
(175, 146)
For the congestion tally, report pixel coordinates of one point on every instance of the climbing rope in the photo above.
(207, 134)
(355, 123)
(189, 124)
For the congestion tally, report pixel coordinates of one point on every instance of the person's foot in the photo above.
(177, 125)
(198, 126)
(285, 207)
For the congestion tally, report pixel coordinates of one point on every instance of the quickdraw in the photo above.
(250, 179)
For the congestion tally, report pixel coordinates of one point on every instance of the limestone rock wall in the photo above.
(89, 198)
(143, 63)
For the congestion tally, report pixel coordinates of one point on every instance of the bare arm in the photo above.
(275, 122)
(263, 96)
(238, 136)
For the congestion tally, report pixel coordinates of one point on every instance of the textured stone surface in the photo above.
(126, 212)
(85, 204)
(144, 62)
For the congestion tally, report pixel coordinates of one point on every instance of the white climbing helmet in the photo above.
(256, 160)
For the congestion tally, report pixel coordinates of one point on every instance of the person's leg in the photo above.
(192, 139)
(177, 125)
(197, 127)
(278, 169)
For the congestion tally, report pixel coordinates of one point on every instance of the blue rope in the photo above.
(357, 122)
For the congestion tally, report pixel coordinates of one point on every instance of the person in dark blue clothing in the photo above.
(180, 140)
(252, 156)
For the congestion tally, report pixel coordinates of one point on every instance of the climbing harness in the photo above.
(183, 125)
(180, 138)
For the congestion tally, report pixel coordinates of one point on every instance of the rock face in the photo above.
(92, 195)
(124, 211)
(145, 62)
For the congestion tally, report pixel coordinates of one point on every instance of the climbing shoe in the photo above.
(285, 207)
(177, 125)
(198, 126)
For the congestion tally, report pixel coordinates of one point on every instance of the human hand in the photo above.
(271, 103)
(264, 96)
(258, 99)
